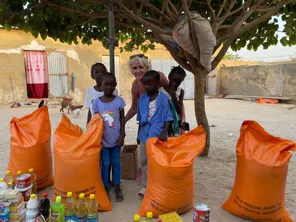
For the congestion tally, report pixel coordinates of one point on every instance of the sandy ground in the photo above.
(214, 174)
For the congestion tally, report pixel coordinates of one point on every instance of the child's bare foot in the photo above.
(118, 194)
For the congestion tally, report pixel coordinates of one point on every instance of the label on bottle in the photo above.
(92, 219)
(70, 218)
(81, 219)
(55, 216)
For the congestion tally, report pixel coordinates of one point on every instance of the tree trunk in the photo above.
(199, 104)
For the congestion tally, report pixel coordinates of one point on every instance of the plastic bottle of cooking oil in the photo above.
(92, 209)
(33, 180)
(81, 210)
(8, 179)
(70, 207)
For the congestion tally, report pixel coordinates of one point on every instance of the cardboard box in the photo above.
(129, 161)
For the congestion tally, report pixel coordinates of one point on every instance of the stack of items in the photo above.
(26, 183)
(12, 205)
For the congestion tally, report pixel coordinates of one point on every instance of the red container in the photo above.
(201, 213)
(23, 181)
(26, 192)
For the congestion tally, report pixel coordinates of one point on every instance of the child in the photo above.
(111, 108)
(154, 116)
(98, 70)
(176, 77)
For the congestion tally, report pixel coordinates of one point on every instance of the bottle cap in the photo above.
(81, 196)
(8, 172)
(58, 199)
(45, 195)
(92, 196)
(149, 215)
(33, 196)
(19, 172)
(31, 170)
(69, 194)
(137, 217)
(1, 180)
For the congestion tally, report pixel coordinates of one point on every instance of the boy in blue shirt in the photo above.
(154, 117)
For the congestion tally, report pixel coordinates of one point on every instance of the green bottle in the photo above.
(57, 211)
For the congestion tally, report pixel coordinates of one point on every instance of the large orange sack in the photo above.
(77, 161)
(170, 184)
(30, 146)
(258, 193)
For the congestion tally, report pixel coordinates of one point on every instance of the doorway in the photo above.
(36, 74)
(58, 75)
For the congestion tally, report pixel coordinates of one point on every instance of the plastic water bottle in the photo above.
(92, 209)
(44, 206)
(32, 207)
(149, 217)
(70, 207)
(81, 210)
(57, 211)
(3, 185)
(33, 180)
(137, 218)
(8, 179)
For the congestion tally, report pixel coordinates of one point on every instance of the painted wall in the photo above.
(79, 61)
(259, 80)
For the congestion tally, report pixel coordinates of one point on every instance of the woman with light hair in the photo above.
(139, 66)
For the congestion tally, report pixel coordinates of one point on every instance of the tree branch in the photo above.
(24, 10)
(211, 10)
(167, 9)
(222, 52)
(158, 11)
(192, 31)
(154, 21)
(224, 26)
(192, 61)
(216, 25)
(263, 18)
(140, 20)
(229, 13)
(221, 8)
(173, 53)
(67, 9)
(173, 7)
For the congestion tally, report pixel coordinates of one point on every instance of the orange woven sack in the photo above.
(30, 146)
(258, 193)
(170, 186)
(77, 161)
